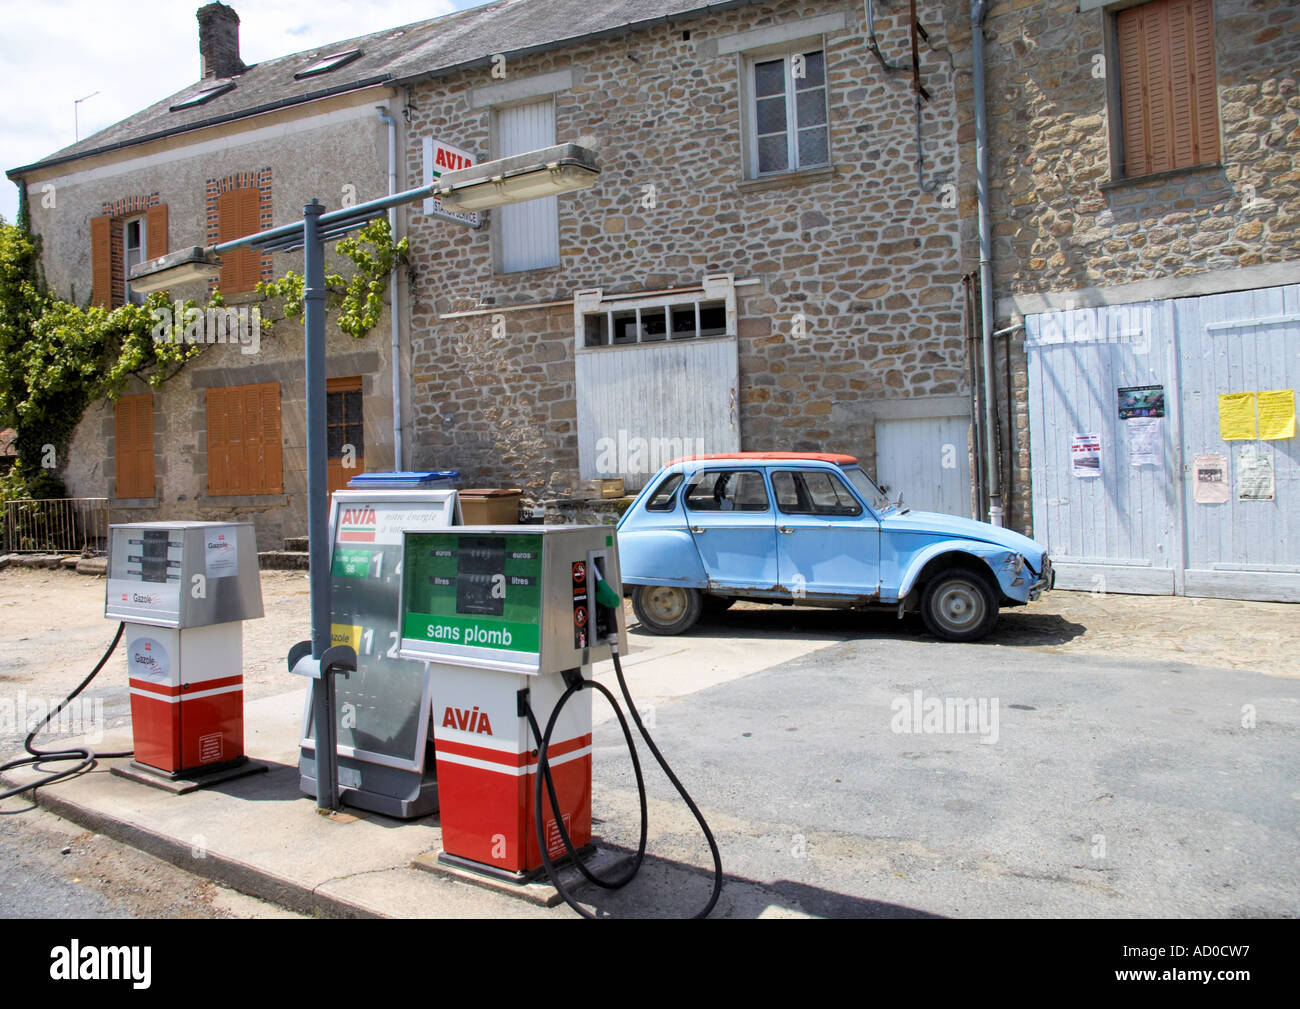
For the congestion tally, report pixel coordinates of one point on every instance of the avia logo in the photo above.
(358, 525)
(450, 160)
(466, 720)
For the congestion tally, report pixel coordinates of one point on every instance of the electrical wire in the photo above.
(84, 755)
(544, 775)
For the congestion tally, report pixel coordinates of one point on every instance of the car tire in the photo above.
(666, 609)
(959, 605)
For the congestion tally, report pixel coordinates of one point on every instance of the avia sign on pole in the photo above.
(440, 158)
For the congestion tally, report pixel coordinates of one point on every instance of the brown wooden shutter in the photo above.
(155, 241)
(1168, 88)
(244, 453)
(239, 214)
(218, 443)
(101, 261)
(1205, 82)
(133, 446)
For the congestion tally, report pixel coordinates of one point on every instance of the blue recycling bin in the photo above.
(445, 479)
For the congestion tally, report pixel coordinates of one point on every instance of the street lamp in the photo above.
(547, 172)
(531, 176)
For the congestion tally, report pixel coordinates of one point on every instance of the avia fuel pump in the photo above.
(509, 620)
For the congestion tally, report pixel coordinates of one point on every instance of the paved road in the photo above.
(1112, 789)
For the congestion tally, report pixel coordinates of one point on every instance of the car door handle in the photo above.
(786, 529)
(697, 529)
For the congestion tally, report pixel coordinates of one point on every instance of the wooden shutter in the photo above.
(239, 214)
(244, 454)
(155, 241)
(1168, 88)
(101, 261)
(133, 446)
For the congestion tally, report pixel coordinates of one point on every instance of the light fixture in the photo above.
(531, 176)
(174, 269)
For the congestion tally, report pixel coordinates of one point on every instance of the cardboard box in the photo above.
(490, 506)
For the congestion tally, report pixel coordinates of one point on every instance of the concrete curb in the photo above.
(228, 872)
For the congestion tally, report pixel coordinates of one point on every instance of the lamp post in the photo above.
(522, 177)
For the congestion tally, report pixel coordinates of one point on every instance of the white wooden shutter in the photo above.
(529, 233)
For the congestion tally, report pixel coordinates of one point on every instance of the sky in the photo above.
(135, 52)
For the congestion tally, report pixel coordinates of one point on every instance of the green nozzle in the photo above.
(604, 594)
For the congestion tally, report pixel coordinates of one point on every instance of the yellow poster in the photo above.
(1277, 414)
(1237, 416)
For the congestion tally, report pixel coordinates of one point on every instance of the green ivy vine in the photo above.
(358, 298)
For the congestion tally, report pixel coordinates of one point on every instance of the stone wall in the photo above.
(868, 260)
(1064, 220)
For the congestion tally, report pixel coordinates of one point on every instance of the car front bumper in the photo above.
(1046, 580)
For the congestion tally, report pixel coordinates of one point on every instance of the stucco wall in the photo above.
(344, 144)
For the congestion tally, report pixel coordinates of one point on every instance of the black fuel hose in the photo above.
(84, 755)
(544, 775)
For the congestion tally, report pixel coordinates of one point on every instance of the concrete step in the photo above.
(283, 560)
(295, 543)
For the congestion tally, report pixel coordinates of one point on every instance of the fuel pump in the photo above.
(508, 620)
(183, 590)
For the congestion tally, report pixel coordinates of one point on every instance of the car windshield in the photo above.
(865, 486)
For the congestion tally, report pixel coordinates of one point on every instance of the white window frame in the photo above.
(784, 52)
(143, 222)
(593, 301)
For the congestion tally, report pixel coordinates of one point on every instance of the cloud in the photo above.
(56, 51)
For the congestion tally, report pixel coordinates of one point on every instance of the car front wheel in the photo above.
(666, 609)
(958, 605)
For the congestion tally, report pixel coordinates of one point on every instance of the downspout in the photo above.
(992, 467)
(392, 291)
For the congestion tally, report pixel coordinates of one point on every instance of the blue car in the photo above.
(813, 530)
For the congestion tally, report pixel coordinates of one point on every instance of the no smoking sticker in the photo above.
(580, 616)
(579, 571)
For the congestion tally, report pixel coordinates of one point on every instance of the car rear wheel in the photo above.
(666, 609)
(958, 605)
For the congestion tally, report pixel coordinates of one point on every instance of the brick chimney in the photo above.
(219, 41)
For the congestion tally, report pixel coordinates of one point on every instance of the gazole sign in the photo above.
(439, 159)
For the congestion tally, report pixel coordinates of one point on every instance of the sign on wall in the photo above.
(439, 159)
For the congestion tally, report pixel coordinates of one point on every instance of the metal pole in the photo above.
(317, 499)
(993, 465)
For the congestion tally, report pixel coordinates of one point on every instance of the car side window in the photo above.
(662, 499)
(813, 492)
(727, 490)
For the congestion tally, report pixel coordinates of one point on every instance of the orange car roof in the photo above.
(839, 459)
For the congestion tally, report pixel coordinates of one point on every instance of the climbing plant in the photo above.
(358, 298)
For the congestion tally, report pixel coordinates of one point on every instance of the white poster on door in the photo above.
(1145, 441)
(1085, 456)
(1254, 477)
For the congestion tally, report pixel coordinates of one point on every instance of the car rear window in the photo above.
(662, 499)
(727, 490)
(813, 492)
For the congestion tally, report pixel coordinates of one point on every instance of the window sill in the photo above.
(1157, 177)
(785, 179)
(242, 500)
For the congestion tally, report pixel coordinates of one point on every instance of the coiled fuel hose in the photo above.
(544, 777)
(84, 755)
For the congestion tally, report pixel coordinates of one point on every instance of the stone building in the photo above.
(781, 252)
(242, 149)
(1145, 196)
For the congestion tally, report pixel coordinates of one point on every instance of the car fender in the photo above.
(645, 554)
(1001, 564)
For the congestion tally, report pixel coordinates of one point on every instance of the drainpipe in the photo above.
(993, 468)
(392, 289)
